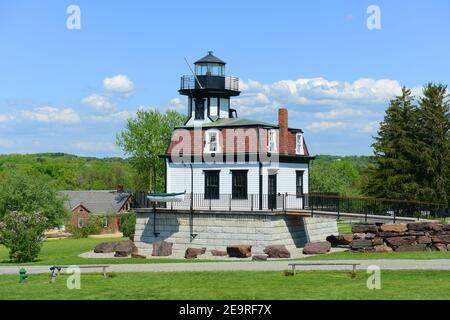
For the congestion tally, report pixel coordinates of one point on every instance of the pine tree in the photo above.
(434, 133)
(394, 174)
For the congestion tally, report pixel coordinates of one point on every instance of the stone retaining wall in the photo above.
(418, 236)
(217, 230)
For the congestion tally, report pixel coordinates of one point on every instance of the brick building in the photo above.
(108, 204)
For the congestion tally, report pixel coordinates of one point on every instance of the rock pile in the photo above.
(417, 236)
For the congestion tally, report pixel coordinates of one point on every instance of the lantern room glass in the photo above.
(210, 69)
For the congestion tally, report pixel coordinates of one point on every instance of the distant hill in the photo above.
(70, 172)
(343, 174)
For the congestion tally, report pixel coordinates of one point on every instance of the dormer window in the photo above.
(299, 144)
(271, 145)
(212, 141)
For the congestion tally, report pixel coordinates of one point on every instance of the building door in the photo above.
(272, 196)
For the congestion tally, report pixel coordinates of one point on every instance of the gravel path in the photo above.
(438, 264)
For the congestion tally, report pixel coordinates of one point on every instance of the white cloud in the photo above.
(319, 91)
(95, 146)
(118, 84)
(341, 113)
(113, 117)
(6, 143)
(176, 104)
(361, 127)
(5, 118)
(371, 127)
(326, 125)
(98, 102)
(51, 114)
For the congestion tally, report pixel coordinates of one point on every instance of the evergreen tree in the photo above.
(394, 170)
(434, 133)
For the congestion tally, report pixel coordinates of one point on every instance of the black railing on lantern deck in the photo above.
(189, 82)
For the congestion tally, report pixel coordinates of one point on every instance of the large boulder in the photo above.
(361, 243)
(411, 247)
(439, 247)
(417, 226)
(378, 241)
(344, 239)
(391, 234)
(162, 248)
(192, 253)
(341, 240)
(382, 248)
(400, 241)
(333, 240)
(423, 239)
(441, 238)
(106, 247)
(277, 251)
(125, 248)
(219, 253)
(137, 256)
(259, 257)
(317, 247)
(425, 226)
(446, 227)
(393, 227)
(239, 251)
(359, 235)
(364, 228)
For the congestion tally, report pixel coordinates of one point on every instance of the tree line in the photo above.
(412, 148)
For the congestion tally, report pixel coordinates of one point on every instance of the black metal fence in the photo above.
(313, 202)
(198, 201)
(372, 206)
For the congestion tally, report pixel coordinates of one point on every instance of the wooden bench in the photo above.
(54, 271)
(293, 265)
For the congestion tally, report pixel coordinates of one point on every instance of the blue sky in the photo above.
(71, 90)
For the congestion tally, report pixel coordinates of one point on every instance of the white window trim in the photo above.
(207, 148)
(300, 151)
(274, 135)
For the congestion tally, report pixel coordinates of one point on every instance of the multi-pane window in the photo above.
(299, 144)
(212, 184)
(239, 184)
(212, 141)
(271, 146)
(299, 183)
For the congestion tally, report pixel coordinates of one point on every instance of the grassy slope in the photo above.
(233, 285)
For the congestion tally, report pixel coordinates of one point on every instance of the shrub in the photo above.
(24, 193)
(23, 233)
(93, 226)
(128, 223)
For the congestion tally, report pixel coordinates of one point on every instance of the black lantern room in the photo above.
(209, 90)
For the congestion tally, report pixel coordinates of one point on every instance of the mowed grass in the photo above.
(66, 251)
(395, 285)
(344, 227)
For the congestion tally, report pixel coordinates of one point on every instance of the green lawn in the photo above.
(427, 284)
(66, 251)
(344, 227)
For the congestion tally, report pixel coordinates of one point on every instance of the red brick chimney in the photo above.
(283, 125)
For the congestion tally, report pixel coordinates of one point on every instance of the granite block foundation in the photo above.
(215, 230)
